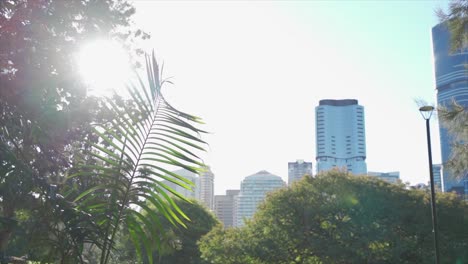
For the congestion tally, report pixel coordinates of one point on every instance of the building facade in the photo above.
(437, 172)
(225, 207)
(296, 170)
(194, 193)
(254, 189)
(340, 136)
(207, 188)
(391, 177)
(451, 77)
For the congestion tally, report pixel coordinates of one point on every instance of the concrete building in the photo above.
(254, 189)
(194, 193)
(340, 136)
(298, 169)
(225, 207)
(391, 177)
(451, 77)
(207, 188)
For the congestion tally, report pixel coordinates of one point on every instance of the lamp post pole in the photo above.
(426, 111)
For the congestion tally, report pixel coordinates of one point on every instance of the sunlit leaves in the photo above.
(144, 138)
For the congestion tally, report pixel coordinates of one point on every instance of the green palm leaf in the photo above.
(145, 136)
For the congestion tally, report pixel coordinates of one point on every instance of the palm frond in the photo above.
(145, 137)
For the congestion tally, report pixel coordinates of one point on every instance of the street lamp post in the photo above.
(426, 112)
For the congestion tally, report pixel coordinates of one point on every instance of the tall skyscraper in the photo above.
(225, 207)
(194, 193)
(298, 169)
(207, 188)
(340, 136)
(391, 177)
(253, 191)
(452, 84)
(437, 171)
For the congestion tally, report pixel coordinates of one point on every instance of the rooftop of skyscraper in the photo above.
(338, 102)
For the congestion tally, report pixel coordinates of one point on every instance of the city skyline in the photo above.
(255, 71)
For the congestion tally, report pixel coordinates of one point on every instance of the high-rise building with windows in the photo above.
(340, 136)
(194, 192)
(296, 170)
(207, 188)
(225, 207)
(437, 172)
(451, 75)
(254, 189)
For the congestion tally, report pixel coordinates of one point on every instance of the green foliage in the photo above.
(44, 117)
(144, 136)
(178, 244)
(230, 246)
(338, 218)
(76, 170)
(455, 119)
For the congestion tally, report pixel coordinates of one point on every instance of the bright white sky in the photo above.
(254, 71)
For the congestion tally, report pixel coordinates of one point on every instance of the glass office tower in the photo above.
(451, 75)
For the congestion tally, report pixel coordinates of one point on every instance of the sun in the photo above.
(104, 66)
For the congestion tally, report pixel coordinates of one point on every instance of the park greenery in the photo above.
(77, 170)
(181, 243)
(341, 218)
(178, 244)
(80, 175)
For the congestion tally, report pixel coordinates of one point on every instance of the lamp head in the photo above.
(426, 111)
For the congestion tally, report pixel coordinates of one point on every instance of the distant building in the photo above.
(340, 136)
(298, 169)
(437, 170)
(254, 189)
(194, 193)
(451, 78)
(207, 188)
(391, 177)
(225, 207)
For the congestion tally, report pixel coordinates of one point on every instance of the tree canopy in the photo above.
(77, 170)
(44, 111)
(339, 218)
(178, 244)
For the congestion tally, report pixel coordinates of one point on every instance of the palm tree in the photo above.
(144, 137)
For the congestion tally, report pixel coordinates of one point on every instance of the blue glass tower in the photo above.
(451, 77)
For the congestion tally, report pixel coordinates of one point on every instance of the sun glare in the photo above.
(105, 67)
